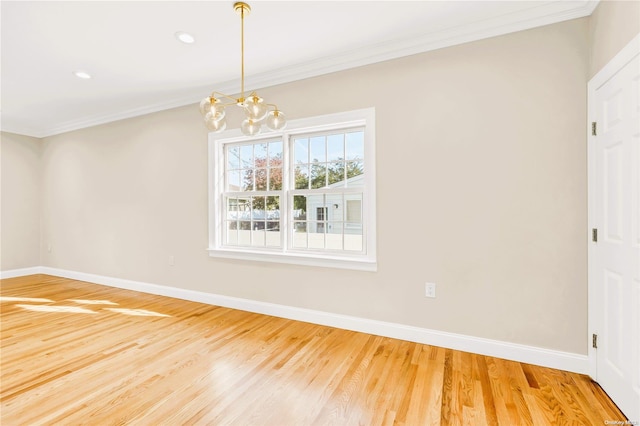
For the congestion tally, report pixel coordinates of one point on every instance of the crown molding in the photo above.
(536, 16)
(9, 125)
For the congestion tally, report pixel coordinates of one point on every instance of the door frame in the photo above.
(629, 52)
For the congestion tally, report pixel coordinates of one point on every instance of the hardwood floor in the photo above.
(79, 353)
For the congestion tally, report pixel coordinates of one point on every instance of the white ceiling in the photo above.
(138, 66)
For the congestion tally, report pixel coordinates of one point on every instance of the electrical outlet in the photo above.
(172, 260)
(430, 289)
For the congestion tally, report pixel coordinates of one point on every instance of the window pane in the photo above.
(315, 240)
(246, 156)
(261, 163)
(232, 233)
(301, 151)
(335, 207)
(353, 227)
(275, 152)
(275, 179)
(355, 168)
(233, 157)
(260, 176)
(244, 208)
(355, 174)
(334, 228)
(355, 145)
(260, 155)
(317, 214)
(299, 235)
(272, 234)
(333, 236)
(275, 166)
(301, 177)
(273, 239)
(247, 180)
(258, 235)
(233, 180)
(273, 208)
(353, 240)
(299, 207)
(318, 175)
(335, 147)
(232, 208)
(244, 233)
(257, 208)
(316, 226)
(318, 147)
(335, 173)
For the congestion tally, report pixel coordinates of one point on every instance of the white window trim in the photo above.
(363, 262)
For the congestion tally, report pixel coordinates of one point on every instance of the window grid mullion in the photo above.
(284, 198)
(320, 191)
(251, 193)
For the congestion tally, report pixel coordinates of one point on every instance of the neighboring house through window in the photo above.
(305, 195)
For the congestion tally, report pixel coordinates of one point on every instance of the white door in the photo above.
(614, 260)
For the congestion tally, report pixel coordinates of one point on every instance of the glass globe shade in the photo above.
(213, 124)
(210, 105)
(255, 108)
(276, 120)
(205, 106)
(250, 127)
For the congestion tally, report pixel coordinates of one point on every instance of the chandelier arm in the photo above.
(220, 94)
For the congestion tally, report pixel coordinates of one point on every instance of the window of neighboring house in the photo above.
(354, 213)
(305, 195)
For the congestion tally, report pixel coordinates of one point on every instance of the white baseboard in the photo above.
(21, 272)
(512, 351)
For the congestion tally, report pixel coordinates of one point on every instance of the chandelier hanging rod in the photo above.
(241, 8)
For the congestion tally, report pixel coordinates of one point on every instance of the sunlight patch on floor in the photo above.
(50, 308)
(24, 299)
(93, 306)
(92, 302)
(137, 312)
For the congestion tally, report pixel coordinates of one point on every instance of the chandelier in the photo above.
(256, 111)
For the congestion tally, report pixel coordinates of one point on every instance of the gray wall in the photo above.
(611, 26)
(486, 138)
(19, 201)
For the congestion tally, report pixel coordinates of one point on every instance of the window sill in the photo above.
(359, 264)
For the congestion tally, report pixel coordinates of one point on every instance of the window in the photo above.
(305, 195)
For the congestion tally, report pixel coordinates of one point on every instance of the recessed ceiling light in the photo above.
(82, 74)
(186, 38)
